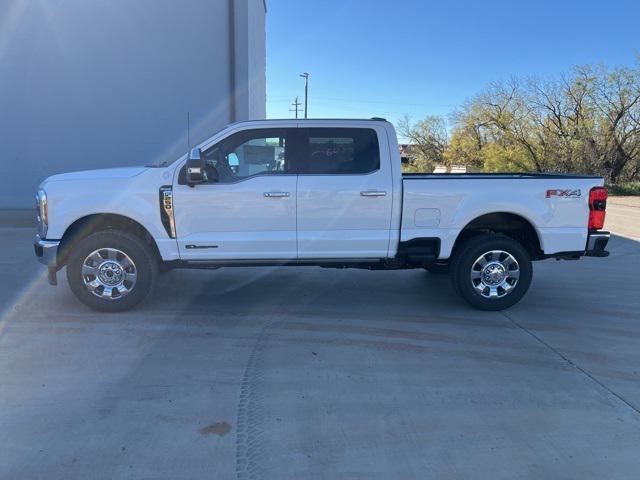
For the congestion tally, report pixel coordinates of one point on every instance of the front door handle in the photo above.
(276, 194)
(373, 193)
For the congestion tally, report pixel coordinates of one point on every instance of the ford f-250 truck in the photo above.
(328, 193)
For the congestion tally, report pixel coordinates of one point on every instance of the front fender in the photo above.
(135, 198)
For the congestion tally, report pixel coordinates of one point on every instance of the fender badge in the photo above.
(564, 193)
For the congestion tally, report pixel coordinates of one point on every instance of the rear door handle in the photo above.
(373, 193)
(276, 194)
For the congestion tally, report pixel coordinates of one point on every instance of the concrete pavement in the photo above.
(623, 214)
(292, 373)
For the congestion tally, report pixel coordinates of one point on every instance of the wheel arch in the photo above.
(509, 224)
(85, 226)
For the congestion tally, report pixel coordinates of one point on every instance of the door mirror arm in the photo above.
(195, 172)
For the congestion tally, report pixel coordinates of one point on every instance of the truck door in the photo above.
(247, 207)
(344, 193)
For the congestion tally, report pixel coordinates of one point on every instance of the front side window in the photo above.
(246, 154)
(339, 151)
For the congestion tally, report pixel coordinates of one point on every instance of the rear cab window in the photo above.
(337, 151)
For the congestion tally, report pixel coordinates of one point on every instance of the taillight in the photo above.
(597, 207)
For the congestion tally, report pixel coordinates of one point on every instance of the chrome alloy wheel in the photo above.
(109, 273)
(494, 274)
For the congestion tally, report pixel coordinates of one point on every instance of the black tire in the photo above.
(465, 258)
(437, 268)
(146, 268)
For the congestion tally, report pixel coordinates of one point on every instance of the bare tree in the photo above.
(585, 121)
(429, 139)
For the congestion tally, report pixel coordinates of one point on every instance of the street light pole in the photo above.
(305, 75)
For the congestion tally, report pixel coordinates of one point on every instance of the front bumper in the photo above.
(47, 253)
(596, 244)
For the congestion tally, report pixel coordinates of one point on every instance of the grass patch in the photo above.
(628, 188)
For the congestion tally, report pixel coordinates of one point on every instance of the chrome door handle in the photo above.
(373, 193)
(276, 194)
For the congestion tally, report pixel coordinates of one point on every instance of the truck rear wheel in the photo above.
(111, 271)
(491, 272)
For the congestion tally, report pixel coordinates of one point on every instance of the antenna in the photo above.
(188, 132)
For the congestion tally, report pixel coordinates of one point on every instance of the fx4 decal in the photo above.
(564, 193)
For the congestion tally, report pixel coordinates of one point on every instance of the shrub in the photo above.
(628, 188)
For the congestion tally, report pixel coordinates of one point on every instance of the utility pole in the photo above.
(305, 75)
(295, 104)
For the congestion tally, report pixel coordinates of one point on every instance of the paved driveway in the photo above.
(295, 373)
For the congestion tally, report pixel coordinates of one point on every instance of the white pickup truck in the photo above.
(328, 193)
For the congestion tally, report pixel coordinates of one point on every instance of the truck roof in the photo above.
(302, 120)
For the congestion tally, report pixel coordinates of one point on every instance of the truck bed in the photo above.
(441, 209)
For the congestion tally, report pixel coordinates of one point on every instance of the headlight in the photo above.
(42, 208)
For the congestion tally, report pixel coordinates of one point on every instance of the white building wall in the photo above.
(99, 84)
(250, 64)
(257, 59)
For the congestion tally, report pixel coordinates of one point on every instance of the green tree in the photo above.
(585, 121)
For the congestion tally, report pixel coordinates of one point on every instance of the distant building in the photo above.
(99, 84)
(408, 154)
(452, 169)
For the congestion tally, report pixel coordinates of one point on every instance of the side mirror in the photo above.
(195, 168)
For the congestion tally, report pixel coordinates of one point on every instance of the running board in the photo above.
(306, 262)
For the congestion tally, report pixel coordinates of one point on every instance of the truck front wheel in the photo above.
(491, 272)
(111, 271)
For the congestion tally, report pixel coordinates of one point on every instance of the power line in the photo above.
(284, 98)
(351, 100)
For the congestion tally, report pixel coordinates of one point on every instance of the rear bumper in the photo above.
(595, 247)
(596, 244)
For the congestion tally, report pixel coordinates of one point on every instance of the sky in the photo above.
(389, 58)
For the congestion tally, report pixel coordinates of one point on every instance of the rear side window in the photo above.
(338, 151)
